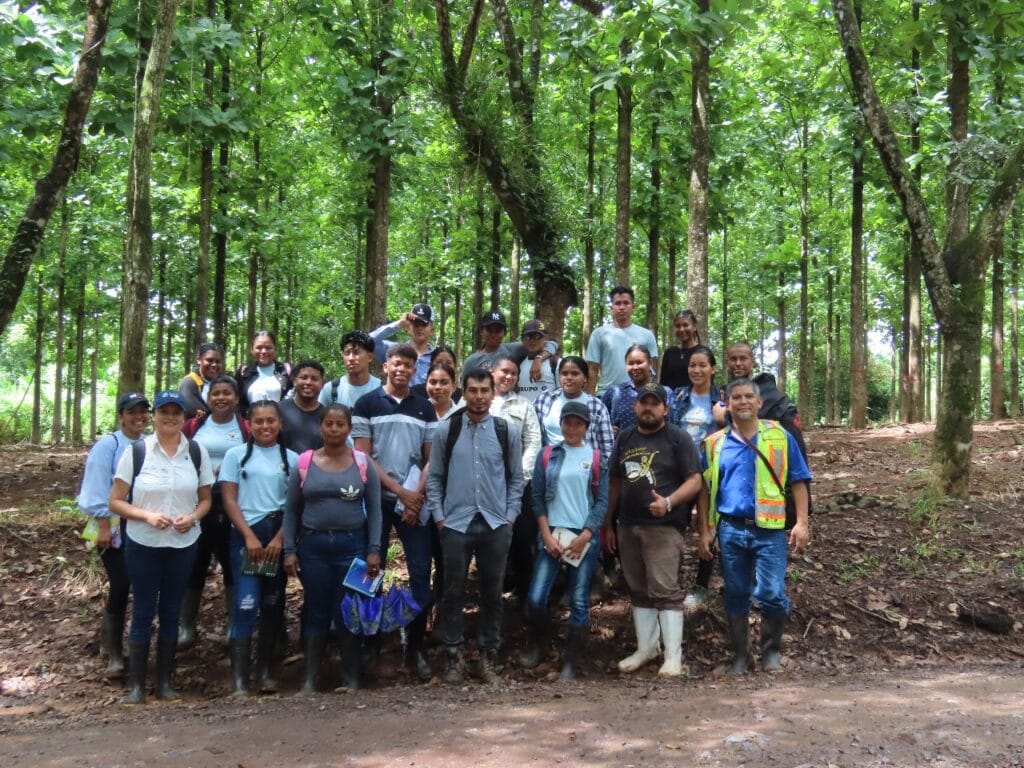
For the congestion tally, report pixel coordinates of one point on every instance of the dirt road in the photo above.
(933, 717)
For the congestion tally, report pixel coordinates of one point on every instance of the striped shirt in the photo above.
(398, 430)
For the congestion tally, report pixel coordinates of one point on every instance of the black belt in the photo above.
(273, 515)
(740, 522)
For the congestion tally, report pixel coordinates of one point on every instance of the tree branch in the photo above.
(519, 89)
(469, 40)
(590, 6)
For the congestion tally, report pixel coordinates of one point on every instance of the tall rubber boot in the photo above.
(266, 647)
(112, 642)
(351, 659)
(538, 635)
(771, 641)
(671, 623)
(739, 641)
(138, 660)
(189, 613)
(648, 632)
(241, 659)
(572, 659)
(165, 651)
(314, 651)
(415, 661)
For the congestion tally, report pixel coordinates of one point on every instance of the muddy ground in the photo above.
(905, 648)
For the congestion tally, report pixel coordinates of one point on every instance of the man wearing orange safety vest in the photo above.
(746, 467)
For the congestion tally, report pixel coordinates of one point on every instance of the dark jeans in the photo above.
(577, 582)
(118, 585)
(158, 576)
(416, 543)
(324, 559)
(522, 552)
(214, 541)
(753, 566)
(256, 596)
(490, 547)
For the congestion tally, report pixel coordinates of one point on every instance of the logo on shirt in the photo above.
(350, 494)
(638, 462)
(585, 465)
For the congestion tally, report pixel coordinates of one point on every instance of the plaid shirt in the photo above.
(599, 433)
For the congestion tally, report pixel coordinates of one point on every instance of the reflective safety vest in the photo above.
(769, 501)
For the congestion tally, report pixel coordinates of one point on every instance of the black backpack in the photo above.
(139, 458)
(455, 429)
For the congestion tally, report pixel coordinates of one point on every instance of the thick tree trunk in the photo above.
(700, 140)
(623, 168)
(913, 403)
(202, 289)
(49, 189)
(858, 308)
(139, 249)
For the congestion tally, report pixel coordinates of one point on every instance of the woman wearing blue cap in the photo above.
(167, 478)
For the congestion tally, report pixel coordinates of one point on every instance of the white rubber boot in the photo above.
(645, 620)
(672, 635)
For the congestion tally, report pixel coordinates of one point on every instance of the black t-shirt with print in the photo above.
(661, 461)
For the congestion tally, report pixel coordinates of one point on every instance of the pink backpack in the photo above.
(306, 458)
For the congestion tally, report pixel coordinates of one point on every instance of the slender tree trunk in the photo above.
(49, 189)
(996, 365)
(457, 338)
(591, 225)
(894, 380)
(76, 411)
(805, 398)
(914, 409)
(94, 384)
(1015, 410)
(479, 272)
(623, 168)
(161, 317)
(697, 228)
(654, 228)
(831, 414)
(202, 290)
(858, 309)
(515, 308)
(495, 267)
(57, 433)
(781, 305)
(725, 294)
(139, 250)
(220, 238)
(37, 362)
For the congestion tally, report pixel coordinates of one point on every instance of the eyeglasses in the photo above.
(533, 336)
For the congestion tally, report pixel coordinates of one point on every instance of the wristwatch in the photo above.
(668, 504)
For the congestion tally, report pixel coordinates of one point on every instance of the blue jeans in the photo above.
(324, 559)
(418, 548)
(578, 579)
(490, 547)
(749, 550)
(255, 596)
(158, 576)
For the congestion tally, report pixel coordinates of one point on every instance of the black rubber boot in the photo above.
(737, 626)
(415, 661)
(489, 666)
(165, 651)
(572, 659)
(351, 660)
(112, 642)
(314, 651)
(771, 642)
(266, 646)
(241, 659)
(189, 613)
(538, 635)
(455, 665)
(138, 660)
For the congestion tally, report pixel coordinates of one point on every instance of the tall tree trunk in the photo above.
(49, 189)
(591, 225)
(94, 382)
(457, 337)
(57, 433)
(76, 410)
(831, 414)
(805, 398)
(161, 317)
(697, 238)
(781, 305)
(914, 408)
(654, 228)
(724, 345)
(202, 289)
(954, 273)
(139, 249)
(996, 366)
(1015, 411)
(623, 167)
(220, 238)
(37, 363)
(495, 267)
(515, 308)
(858, 308)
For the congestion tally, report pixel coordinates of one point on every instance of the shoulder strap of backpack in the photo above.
(195, 454)
(197, 379)
(138, 459)
(454, 428)
(361, 463)
(335, 383)
(501, 431)
(545, 456)
(305, 459)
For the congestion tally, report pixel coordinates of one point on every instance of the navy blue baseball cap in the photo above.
(168, 397)
(130, 400)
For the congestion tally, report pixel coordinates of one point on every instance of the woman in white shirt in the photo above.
(170, 494)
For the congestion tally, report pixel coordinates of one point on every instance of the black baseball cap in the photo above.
(573, 408)
(652, 389)
(423, 313)
(493, 318)
(130, 400)
(534, 326)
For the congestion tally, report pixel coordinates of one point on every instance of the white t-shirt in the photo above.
(265, 386)
(531, 390)
(166, 484)
(607, 348)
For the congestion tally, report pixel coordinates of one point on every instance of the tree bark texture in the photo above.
(591, 228)
(700, 140)
(139, 249)
(654, 227)
(49, 189)
(37, 365)
(858, 309)
(805, 397)
(955, 275)
(57, 433)
(623, 168)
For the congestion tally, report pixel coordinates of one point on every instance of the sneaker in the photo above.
(695, 599)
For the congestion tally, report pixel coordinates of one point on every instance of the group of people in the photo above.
(525, 462)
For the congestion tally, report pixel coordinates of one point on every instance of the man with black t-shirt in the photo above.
(653, 482)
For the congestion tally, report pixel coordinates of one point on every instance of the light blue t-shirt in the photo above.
(607, 348)
(553, 421)
(699, 420)
(265, 386)
(218, 439)
(265, 485)
(571, 505)
(347, 392)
